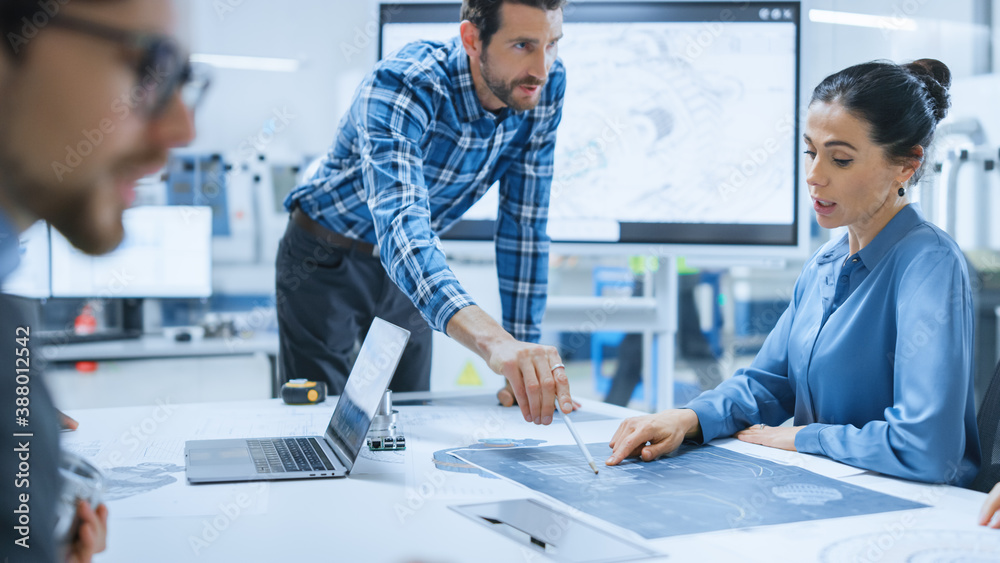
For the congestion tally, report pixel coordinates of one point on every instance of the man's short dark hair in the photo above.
(13, 14)
(20, 20)
(485, 14)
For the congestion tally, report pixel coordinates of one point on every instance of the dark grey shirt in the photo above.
(29, 465)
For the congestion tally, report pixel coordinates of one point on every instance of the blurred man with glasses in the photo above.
(93, 95)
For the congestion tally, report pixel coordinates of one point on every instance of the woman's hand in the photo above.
(781, 437)
(663, 432)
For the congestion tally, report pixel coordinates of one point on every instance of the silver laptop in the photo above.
(309, 457)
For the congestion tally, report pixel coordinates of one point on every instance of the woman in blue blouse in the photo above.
(873, 357)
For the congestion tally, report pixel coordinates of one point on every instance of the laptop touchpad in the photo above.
(220, 456)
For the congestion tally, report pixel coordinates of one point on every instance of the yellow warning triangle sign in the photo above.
(469, 377)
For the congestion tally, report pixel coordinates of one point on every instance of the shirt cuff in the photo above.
(442, 310)
(807, 440)
(524, 332)
(708, 419)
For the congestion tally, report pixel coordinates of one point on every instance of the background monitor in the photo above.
(679, 123)
(31, 278)
(166, 253)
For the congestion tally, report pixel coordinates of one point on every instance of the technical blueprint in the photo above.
(696, 489)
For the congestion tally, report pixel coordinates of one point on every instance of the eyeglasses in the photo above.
(162, 69)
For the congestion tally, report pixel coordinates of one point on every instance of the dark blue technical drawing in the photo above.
(696, 489)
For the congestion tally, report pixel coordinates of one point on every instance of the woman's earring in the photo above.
(901, 192)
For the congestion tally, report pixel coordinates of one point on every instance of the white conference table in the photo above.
(395, 507)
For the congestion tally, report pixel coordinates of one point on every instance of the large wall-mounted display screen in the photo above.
(679, 124)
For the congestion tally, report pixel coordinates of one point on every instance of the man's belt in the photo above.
(338, 240)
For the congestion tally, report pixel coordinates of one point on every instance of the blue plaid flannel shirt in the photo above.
(414, 152)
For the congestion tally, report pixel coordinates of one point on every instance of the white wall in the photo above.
(945, 30)
(332, 39)
(949, 31)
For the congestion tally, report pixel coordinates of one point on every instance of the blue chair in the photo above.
(988, 420)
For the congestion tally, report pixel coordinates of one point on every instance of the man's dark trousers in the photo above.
(327, 296)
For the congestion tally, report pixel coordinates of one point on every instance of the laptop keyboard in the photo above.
(282, 455)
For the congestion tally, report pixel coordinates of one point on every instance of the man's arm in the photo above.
(522, 241)
(522, 249)
(392, 116)
(528, 367)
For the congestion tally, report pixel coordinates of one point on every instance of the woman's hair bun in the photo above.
(936, 78)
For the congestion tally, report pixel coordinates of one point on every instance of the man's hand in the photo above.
(663, 432)
(534, 372)
(781, 437)
(66, 422)
(530, 374)
(91, 535)
(506, 397)
(988, 515)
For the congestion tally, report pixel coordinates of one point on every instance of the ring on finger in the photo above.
(557, 366)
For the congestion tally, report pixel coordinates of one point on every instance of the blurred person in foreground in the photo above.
(90, 102)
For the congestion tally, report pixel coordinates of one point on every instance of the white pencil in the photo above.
(579, 442)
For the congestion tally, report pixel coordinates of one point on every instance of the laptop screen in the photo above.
(365, 387)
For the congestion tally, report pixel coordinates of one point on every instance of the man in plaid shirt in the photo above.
(427, 133)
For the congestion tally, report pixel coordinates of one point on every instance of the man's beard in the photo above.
(93, 231)
(504, 91)
(77, 212)
(81, 209)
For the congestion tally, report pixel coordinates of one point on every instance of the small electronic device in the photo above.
(81, 481)
(386, 432)
(303, 392)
